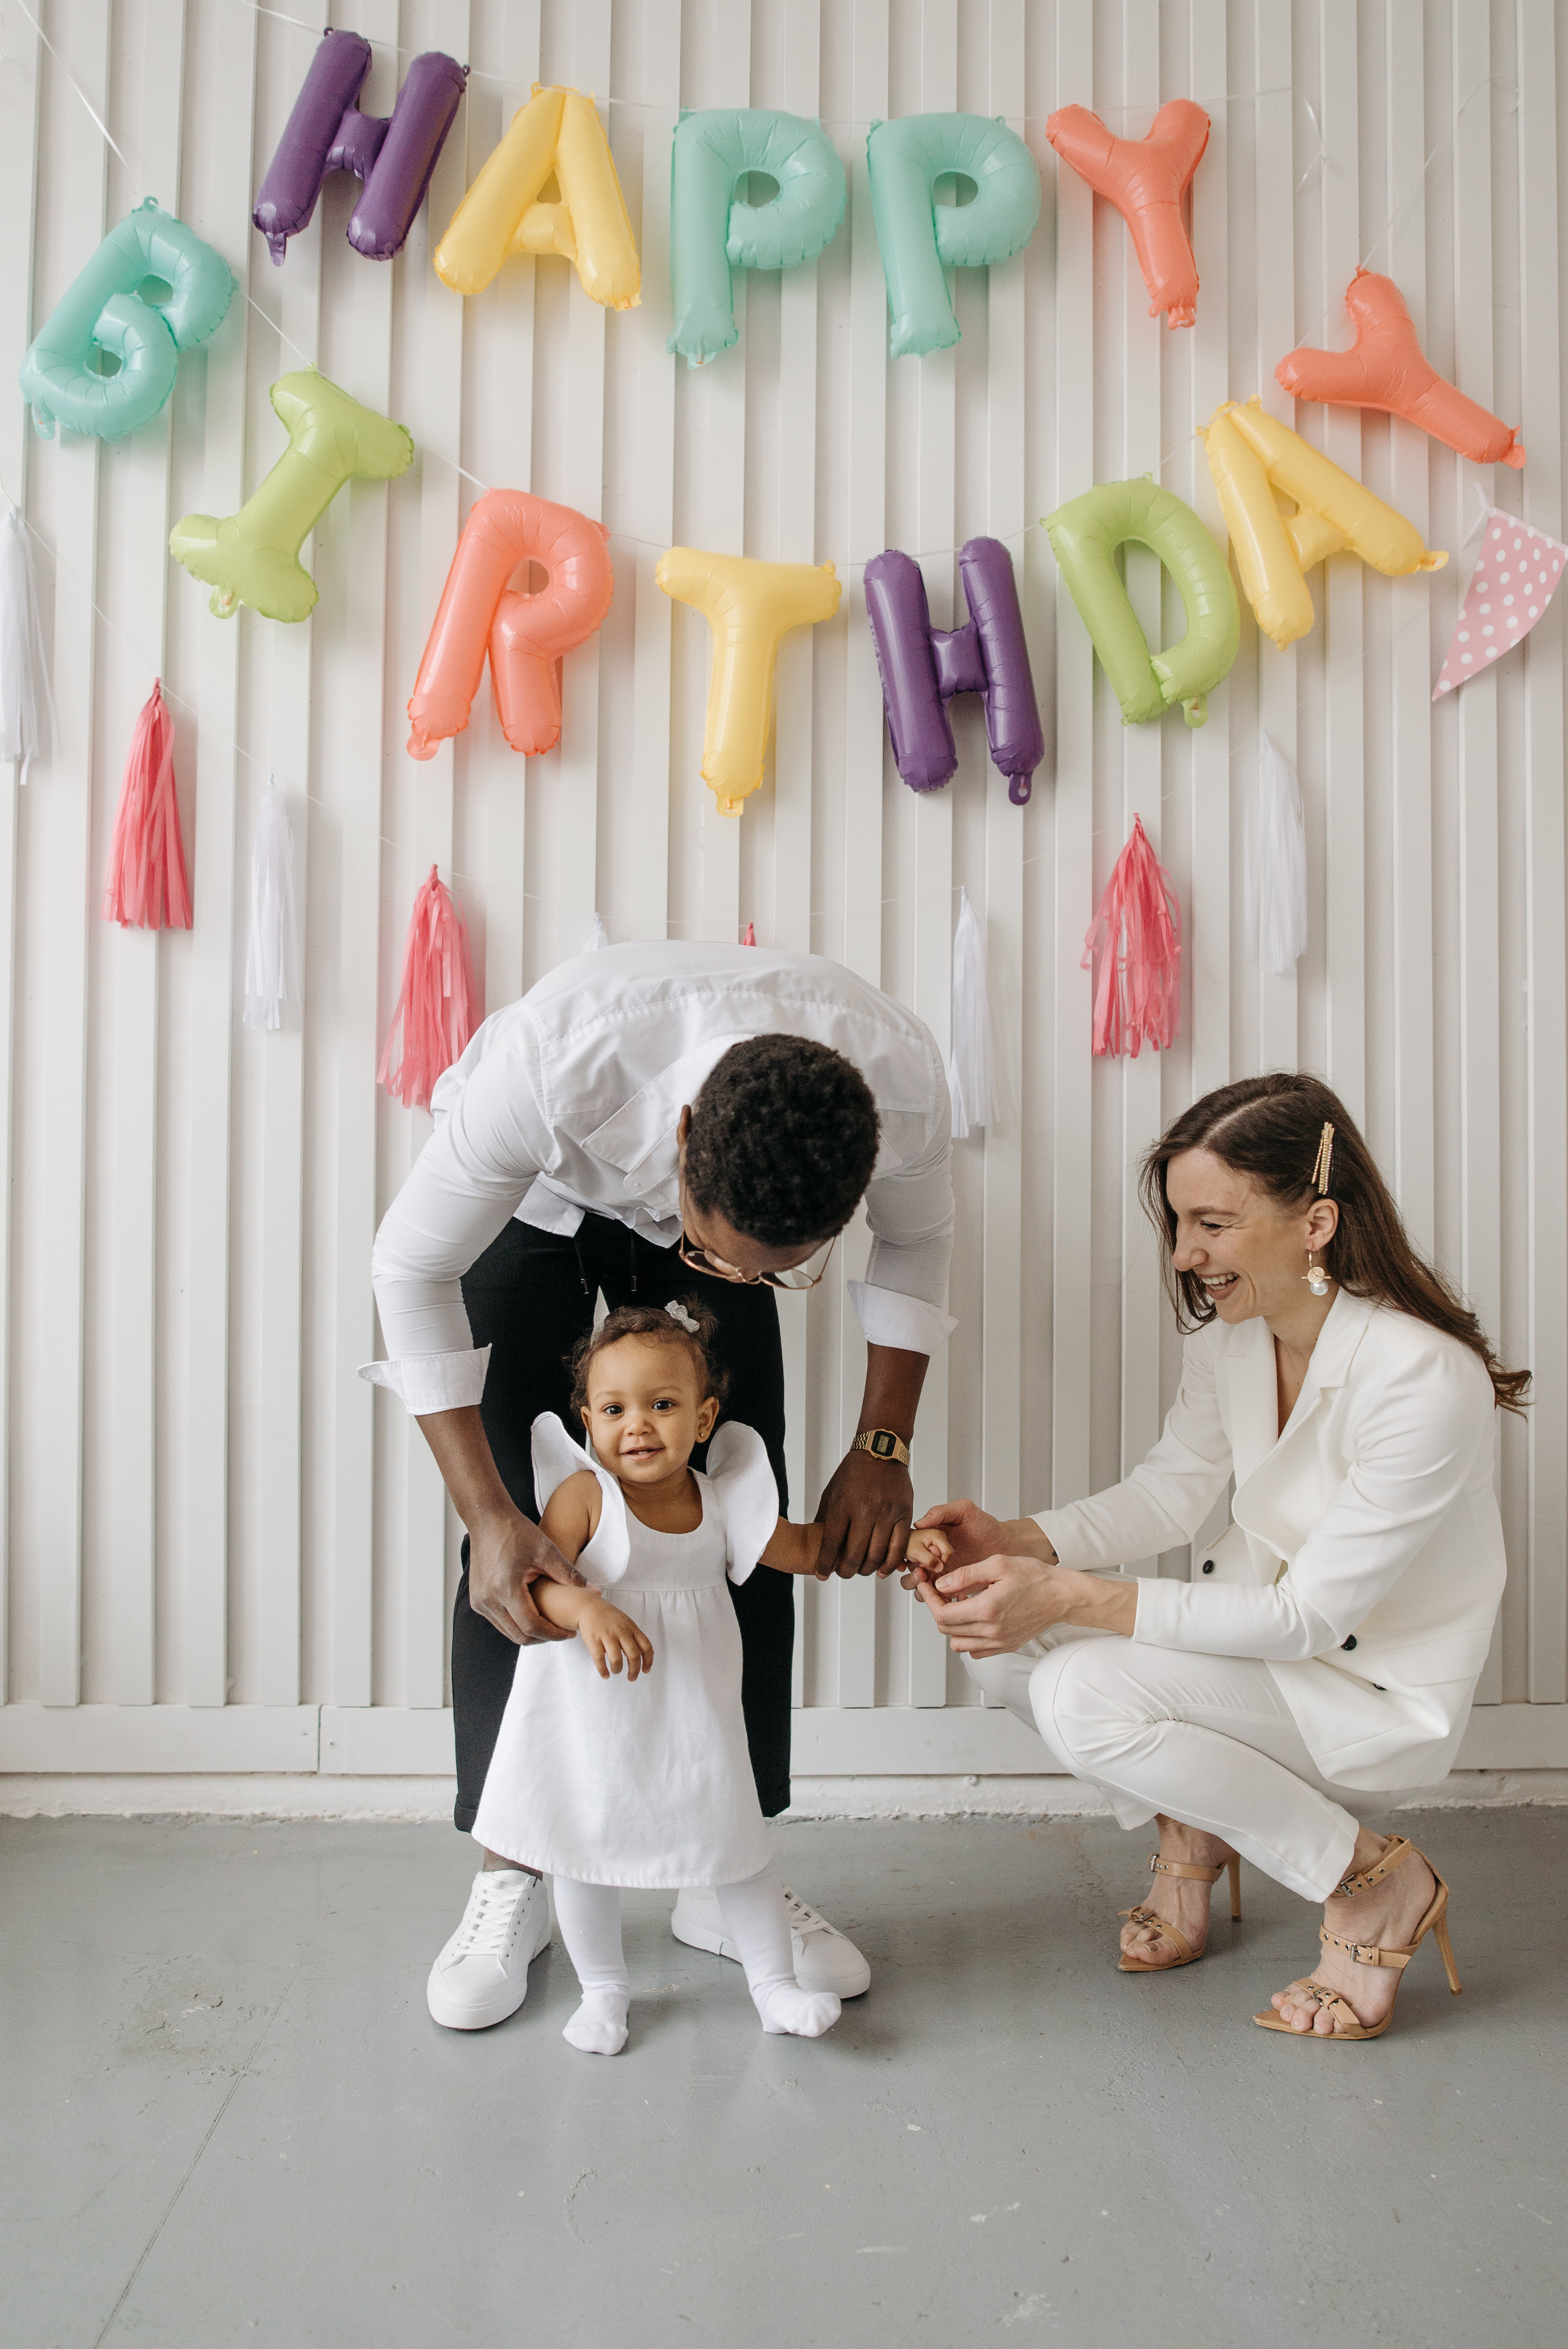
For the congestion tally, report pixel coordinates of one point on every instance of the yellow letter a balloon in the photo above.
(1251, 455)
(558, 130)
(749, 606)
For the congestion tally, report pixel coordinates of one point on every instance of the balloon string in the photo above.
(102, 126)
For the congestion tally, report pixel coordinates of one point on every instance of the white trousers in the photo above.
(1208, 1740)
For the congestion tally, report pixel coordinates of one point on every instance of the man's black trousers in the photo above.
(530, 1298)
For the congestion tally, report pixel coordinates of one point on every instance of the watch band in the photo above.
(882, 1443)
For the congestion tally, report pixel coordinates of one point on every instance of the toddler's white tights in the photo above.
(590, 1921)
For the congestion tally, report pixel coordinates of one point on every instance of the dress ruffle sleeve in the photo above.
(556, 1457)
(742, 1477)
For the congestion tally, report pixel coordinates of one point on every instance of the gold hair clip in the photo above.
(1323, 1164)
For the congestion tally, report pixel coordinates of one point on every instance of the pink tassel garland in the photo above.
(1137, 931)
(436, 1008)
(146, 888)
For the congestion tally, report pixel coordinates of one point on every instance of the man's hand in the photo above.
(864, 1514)
(505, 1554)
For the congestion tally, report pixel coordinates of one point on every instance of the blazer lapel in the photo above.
(1252, 1396)
(1259, 1506)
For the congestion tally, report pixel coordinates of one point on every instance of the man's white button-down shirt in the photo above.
(567, 1104)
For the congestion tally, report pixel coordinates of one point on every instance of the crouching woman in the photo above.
(1327, 1647)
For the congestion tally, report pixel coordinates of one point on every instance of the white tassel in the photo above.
(972, 1078)
(26, 704)
(598, 936)
(272, 956)
(1277, 865)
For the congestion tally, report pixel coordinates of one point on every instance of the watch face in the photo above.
(883, 1444)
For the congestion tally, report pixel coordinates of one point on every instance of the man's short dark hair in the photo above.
(782, 1142)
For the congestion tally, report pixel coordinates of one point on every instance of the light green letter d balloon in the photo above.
(1085, 534)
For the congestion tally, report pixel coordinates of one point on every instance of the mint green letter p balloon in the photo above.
(1085, 534)
(920, 238)
(713, 230)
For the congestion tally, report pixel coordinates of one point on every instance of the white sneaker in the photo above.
(481, 1975)
(825, 1959)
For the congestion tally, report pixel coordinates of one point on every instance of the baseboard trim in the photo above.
(401, 1742)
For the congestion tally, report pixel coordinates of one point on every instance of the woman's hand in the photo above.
(996, 1606)
(993, 1606)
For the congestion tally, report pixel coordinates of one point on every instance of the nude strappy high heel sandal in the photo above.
(1189, 1955)
(1347, 2023)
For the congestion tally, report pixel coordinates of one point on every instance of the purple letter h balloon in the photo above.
(923, 667)
(326, 132)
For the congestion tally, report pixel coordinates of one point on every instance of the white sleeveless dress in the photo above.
(646, 1782)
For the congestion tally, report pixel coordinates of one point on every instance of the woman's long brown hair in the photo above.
(1268, 1129)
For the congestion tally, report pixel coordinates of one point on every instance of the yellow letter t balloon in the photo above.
(749, 606)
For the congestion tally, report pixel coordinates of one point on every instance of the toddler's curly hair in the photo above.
(653, 1321)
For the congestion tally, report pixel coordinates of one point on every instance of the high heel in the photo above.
(1347, 2023)
(1189, 1956)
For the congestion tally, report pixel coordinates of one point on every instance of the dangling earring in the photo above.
(1315, 1277)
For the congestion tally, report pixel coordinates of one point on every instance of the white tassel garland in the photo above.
(26, 703)
(1277, 864)
(972, 1078)
(272, 956)
(598, 936)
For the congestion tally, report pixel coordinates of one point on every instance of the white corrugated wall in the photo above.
(219, 1550)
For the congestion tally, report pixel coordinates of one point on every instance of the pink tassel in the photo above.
(436, 1006)
(1137, 931)
(146, 888)
(750, 937)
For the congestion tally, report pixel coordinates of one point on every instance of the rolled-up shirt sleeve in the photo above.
(1417, 1442)
(902, 1300)
(462, 1190)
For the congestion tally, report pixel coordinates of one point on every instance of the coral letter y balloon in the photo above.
(1146, 179)
(1387, 369)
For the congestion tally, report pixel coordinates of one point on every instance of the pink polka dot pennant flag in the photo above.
(1518, 572)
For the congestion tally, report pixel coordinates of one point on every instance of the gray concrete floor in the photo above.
(228, 2119)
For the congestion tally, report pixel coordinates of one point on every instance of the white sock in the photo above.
(589, 1916)
(758, 1925)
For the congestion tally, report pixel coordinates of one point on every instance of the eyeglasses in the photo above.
(794, 1276)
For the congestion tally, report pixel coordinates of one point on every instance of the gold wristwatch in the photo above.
(883, 1444)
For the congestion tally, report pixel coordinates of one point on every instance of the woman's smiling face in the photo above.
(1248, 1252)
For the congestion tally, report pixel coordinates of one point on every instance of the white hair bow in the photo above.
(686, 1320)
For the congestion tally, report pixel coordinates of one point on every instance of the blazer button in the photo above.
(1350, 1642)
(1208, 1566)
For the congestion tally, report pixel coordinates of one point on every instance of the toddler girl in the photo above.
(601, 1783)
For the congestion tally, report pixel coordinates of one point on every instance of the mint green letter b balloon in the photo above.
(713, 230)
(920, 238)
(1085, 534)
(152, 290)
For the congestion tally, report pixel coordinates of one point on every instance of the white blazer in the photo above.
(1363, 1563)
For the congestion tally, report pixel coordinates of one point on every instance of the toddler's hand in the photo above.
(927, 1553)
(613, 1639)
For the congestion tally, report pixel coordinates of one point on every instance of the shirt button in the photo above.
(1350, 1642)
(1208, 1566)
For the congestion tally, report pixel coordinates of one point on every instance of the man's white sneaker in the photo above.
(481, 1975)
(825, 1959)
